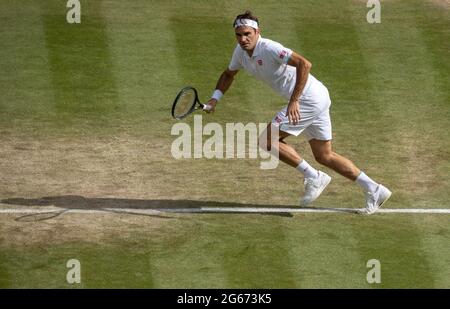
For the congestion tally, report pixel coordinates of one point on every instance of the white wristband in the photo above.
(217, 95)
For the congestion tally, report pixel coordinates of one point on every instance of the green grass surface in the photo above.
(218, 251)
(85, 111)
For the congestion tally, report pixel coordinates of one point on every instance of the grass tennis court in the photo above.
(85, 125)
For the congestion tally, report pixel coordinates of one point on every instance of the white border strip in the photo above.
(28, 210)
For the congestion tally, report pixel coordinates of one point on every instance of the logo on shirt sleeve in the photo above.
(283, 54)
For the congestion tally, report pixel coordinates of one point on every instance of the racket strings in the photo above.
(184, 103)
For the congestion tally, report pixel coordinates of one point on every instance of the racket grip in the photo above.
(206, 107)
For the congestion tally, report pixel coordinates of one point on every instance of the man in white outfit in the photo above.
(307, 112)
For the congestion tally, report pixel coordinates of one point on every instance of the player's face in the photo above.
(247, 37)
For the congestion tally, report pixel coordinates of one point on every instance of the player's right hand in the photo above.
(293, 112)
(210, 106)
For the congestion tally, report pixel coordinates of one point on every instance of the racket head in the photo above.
(185, 102)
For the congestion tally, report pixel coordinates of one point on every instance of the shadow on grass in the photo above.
(153, 208)
(130, 206)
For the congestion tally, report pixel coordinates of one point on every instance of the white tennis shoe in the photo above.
(374, 200)
(314, 187)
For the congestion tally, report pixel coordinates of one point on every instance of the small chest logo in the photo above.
(259, 62)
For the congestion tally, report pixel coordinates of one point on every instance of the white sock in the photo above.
(307, 170)
(366, 183)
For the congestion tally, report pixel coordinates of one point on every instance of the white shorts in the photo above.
(315, 121)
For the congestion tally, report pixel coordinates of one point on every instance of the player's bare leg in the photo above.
(286, 153)
(315, 181)
(376, 194)
(326, 156)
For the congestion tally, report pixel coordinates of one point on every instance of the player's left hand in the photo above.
(293, 112)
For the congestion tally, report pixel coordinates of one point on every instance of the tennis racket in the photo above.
(186, 103)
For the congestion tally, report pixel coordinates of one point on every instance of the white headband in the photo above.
(245, 22)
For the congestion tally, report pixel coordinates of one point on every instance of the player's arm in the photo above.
(224, 82)
(303, 67)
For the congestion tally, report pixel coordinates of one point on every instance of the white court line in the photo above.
(28, 210)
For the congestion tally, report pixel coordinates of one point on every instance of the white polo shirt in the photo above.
(269, 64)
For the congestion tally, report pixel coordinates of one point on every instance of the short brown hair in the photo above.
(247, 15)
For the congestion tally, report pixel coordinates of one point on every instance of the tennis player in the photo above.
(307, 111)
